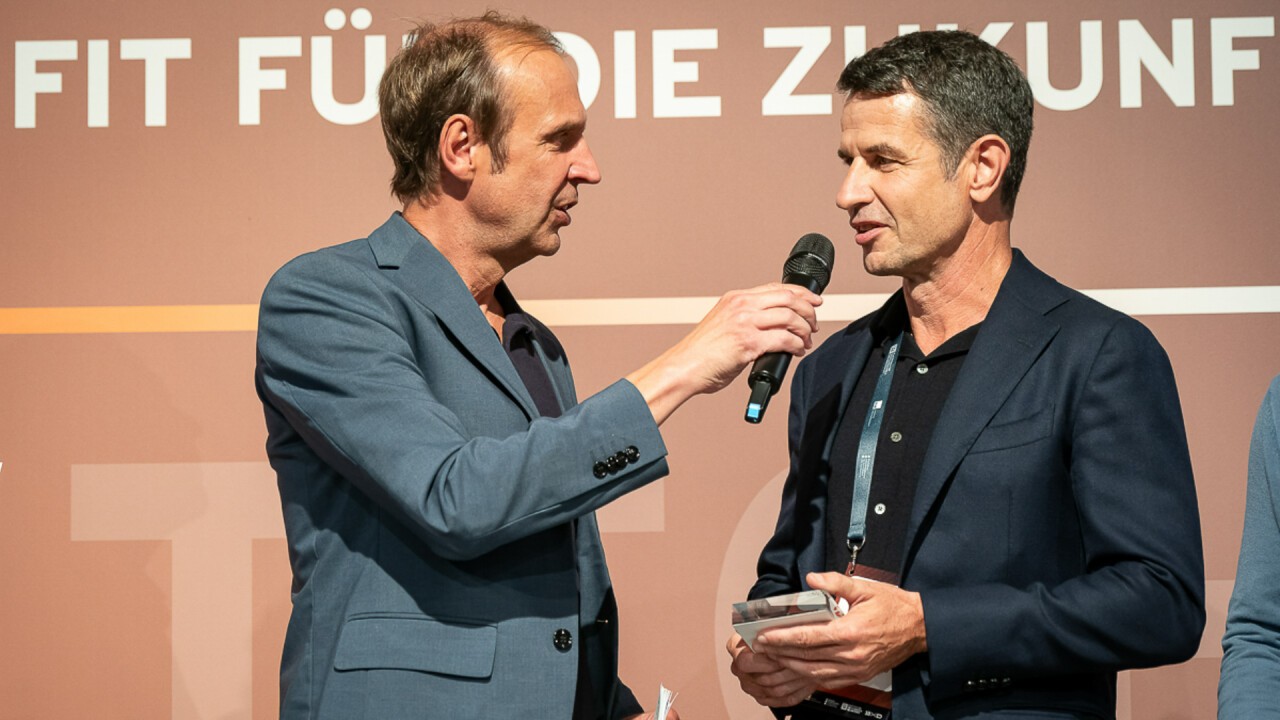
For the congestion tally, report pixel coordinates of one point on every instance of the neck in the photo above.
(453, 236)
(959, 289)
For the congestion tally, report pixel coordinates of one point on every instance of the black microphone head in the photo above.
(813, 256)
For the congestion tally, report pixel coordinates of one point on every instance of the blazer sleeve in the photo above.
(1139, 601)
(1250, 682)
(335, 361)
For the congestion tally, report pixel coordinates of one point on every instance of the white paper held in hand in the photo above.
(666, 699)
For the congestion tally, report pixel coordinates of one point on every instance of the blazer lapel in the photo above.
(1013, 335)
(425, 275)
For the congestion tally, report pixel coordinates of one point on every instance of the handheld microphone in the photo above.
(809, 266)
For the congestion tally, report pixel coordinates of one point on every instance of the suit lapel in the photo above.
(424, 274)
(1013, 335)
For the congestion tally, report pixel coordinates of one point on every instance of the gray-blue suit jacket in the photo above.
(1249, 688)
(440, 532)
(1054, 537)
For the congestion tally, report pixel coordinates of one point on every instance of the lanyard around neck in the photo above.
(867, 453)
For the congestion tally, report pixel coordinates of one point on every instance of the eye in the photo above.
(564, 140)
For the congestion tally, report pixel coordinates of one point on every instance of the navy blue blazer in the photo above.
(1054, 538)
(446, 560)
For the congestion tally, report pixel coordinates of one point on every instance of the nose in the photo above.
(583, 168)
(855, 189)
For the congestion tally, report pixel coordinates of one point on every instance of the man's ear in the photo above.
(989, 159)
(458, 141)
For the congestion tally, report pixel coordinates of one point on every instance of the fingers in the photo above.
(735, 645)
(783, 321)
(775, 687)
(811, 298)
(755, 664)
(829, 674)
(803, 641)
(841, 585)
(743, 325)
(793, 297)
(781, 695)
(769, 318)
(773, 295)
(746, 661)
(775, 674)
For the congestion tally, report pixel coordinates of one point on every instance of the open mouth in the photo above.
(866, 231)
(562, 211)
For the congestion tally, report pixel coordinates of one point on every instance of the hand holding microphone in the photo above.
(744, 325)
(809, 266)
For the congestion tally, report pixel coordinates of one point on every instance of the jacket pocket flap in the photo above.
(416, 643)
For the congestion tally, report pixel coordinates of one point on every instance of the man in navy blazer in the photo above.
(437, 472)
(1004, 455)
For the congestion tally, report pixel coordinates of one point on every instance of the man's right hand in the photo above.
(742, 326)
(771, 684)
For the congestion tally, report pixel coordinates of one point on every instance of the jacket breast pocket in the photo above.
(416, 642)
(1015, 433)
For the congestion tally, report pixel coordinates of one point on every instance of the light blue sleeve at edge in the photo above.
(1249, 688)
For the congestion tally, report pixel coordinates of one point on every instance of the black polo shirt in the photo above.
(519, 335)
(918, 391)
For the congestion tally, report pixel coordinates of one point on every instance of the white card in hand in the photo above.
(666, 699)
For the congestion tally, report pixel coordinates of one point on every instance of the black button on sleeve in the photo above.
(632, 453)
(600, 470)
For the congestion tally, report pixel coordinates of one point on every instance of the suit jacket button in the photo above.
(600, 470)
(632, 453)
(614, 464)
(621, 457)
(562, 639)
(970, 686)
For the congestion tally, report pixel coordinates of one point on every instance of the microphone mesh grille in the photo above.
(813, 255)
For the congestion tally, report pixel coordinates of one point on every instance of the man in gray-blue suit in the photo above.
(437, 472)
(1004, 455)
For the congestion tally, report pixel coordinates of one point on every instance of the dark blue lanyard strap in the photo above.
(867, 453)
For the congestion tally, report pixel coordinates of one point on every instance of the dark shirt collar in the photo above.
(892, 318)
(516, 322)
(957, 344)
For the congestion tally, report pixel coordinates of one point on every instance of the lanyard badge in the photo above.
(867, 443)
